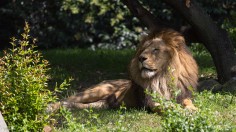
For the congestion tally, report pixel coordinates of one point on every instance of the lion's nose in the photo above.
(142, 58)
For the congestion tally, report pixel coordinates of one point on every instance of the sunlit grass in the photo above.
(90, 67)
(219, 107)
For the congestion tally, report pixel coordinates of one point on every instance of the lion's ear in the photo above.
(179, 43)
(142, 39)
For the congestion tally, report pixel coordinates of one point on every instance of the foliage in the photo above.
(217, 104)
(211, 116)
(118, 120)
(77, 23)
(204, 60)
(230, 26)
(94, 23)
(109, 20)
(70, 122)
(175, 118)
(80, 63)
(78, 124)
(24, 93)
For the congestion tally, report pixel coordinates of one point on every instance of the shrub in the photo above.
(230, 26)
(23, 80)
(177, 119)
(89, 120)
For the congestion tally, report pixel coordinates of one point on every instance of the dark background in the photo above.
(95, 23)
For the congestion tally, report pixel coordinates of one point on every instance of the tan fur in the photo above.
(162, 64)
(177, 69)
(107, 94)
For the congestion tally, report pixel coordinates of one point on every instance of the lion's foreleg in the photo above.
(188, 104)
(93, 94)
(101, 104)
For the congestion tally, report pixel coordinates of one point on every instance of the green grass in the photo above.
(112, 120)
(204, 60)
(217, 108)
(90, 67)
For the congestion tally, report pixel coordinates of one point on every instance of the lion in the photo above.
(161, 64)
(163, 61)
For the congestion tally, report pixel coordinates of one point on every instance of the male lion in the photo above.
(161, 64)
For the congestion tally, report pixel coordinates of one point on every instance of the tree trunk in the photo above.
(142, 14)
(215, 39)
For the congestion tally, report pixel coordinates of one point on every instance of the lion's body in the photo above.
(107, 94)
(162, 64)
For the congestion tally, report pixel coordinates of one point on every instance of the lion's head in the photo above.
(163, 61)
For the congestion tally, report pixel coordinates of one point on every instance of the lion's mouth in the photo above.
(147, 69)
(147, 72)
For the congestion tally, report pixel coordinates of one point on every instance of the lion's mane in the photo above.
(180, 70)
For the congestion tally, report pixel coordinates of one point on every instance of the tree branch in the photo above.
(215, 39)
(143, 14)
(204, 30)
(149, 20)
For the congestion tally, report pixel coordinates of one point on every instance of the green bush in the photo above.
(230, 26)
(80, 123)
(24, 93)
(177, 119)
(87, 120)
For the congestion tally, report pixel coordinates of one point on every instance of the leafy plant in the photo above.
(89, 120)
(176, 118)
(24, 93)
(70, 123)
(78, 124)
(230, 26)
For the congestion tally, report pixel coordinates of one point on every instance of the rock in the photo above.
(47, 129)
(210, 84)
(230, 86)
(3, 125)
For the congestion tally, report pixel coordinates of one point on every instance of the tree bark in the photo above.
(215, 39)
(142, 14)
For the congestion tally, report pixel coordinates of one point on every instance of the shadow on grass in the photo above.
(88, 67)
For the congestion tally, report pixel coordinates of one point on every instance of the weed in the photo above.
(175, 118)
(70, 122)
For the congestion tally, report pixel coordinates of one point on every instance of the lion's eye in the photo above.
(155, 50)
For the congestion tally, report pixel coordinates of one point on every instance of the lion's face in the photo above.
(153, 58)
